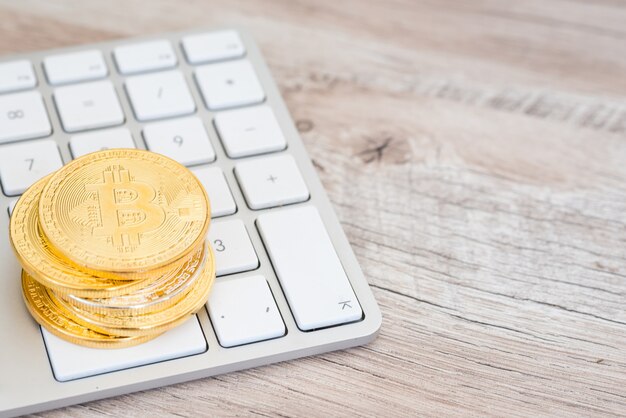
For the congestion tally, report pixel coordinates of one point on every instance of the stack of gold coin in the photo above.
(113, 248)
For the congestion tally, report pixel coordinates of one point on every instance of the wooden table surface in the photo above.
(475, 152)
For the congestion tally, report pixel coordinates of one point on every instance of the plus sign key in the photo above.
(271, 181)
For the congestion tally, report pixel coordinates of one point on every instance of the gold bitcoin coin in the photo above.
(46, 313)
(43, 264)
(124, 211)
(36, 256)
(148, 324)
(158, 295)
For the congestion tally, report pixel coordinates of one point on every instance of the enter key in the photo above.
(315, 283)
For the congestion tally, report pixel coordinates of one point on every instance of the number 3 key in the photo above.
(232, 247)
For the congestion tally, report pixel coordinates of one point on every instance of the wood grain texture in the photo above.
(475, 153)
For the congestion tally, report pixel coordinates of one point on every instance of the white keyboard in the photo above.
(288, 283)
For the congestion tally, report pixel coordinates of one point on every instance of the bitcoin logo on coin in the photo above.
(131, 204)
(124, 211)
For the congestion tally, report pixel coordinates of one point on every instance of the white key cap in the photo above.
(233, 250)
(184, 140)
(159, 95)
(88, 106)
(100, 140)
(213, 46)
(75, 67)
(249, 131)
(229, 84)
(271, 181)
(70, 361)
(308, 268)
(222, 202)
(24, 163)
(23, 116)
(243, 311)
(16, 75)
(146, 56)
(12, 204)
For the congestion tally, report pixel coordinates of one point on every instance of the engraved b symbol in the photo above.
(126, 209)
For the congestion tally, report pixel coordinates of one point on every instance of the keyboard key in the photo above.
(309, 270)
(88, 106)
(70, 361)
(213, 46)
(249, 131)
(184, 140)
(12, 204)
(146, 56)
(229, 84)
(271, 181)
(243, 311)
(24, 163)
(222, 202)
(23, 116)
(100, 140)
(159, 95)
(16, 75)
(233, 250)
(75, 67)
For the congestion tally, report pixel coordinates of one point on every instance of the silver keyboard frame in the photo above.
(27, 384)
